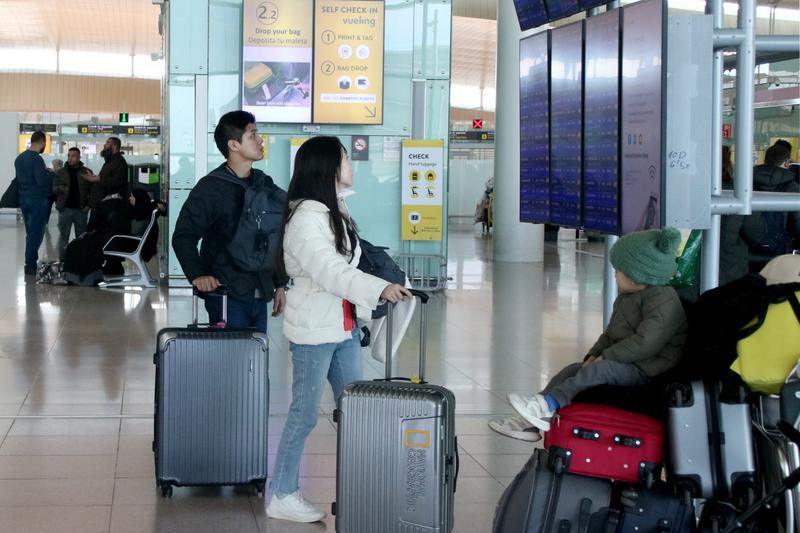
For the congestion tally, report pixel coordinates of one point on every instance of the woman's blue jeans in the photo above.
(340, 363)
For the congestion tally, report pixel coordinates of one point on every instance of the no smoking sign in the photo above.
(359, 148)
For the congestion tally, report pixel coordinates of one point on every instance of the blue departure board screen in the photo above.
(601, 124)
(566, 105)
(534, 121)
(558, 9)
(531, 13)
(589, 4)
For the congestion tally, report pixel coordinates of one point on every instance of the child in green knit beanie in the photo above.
(643, 339)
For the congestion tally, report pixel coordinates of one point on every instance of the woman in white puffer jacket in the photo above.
(327, 292)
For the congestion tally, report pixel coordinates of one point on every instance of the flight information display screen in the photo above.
(557, 9)
(531, 13)
(566, 123)
(534, 142)
(601, 124)
(642, 114)
(589, 4)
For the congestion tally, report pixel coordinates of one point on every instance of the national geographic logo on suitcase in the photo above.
(417, 442)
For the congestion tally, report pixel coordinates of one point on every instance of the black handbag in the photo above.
(11, 196)
(375, 261)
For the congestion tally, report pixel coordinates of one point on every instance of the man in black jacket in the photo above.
(113, 177)
(212, 212)
(72, 199)
(782, 227)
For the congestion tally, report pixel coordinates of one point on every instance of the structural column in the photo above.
(514, 241)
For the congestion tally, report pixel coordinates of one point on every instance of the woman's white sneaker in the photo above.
(293, 507)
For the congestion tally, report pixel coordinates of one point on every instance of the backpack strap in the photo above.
(775, 294)
(795, 303)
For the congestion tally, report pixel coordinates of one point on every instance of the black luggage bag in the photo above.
(540, 501)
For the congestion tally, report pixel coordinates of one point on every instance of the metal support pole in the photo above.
(727, 38)
(745, 78)
(609, 281)
(777, 43)
(726, 204)
(709, 275)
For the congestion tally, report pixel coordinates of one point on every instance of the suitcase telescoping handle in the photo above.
(423, 298)
(222, 290)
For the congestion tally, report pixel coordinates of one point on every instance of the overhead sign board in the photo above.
(30, 128)
(110, 129)
(309, 61)
(348, 62)
(277, 55)
(472, 135)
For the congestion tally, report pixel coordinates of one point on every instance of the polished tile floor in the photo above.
(76, 389)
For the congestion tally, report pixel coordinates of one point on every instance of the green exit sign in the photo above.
(123, 118)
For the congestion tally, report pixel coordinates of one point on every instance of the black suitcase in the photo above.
(540, 501)
(655, 510)
(211, 399)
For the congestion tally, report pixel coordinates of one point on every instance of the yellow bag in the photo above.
(768, 354)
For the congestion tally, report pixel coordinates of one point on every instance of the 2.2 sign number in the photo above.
(267, 13)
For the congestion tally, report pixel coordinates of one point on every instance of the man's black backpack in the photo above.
(720, 318)
(375, 261)
(777, 242)
(11, 196)
(255, 243)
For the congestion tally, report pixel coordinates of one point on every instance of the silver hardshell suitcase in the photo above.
(397, 457)
(711, 444)
(212, 394)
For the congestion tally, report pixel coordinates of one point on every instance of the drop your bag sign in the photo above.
(422, 190)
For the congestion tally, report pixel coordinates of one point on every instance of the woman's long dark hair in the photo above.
(316, 172)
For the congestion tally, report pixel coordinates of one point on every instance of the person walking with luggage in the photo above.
(35, 183)
(326, 295)
(72, 199)
(213, 213)
(644, 336)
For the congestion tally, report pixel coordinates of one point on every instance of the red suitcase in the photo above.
(601, 441)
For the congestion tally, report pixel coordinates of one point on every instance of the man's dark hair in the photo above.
(38, 137)
(783, 142)
(776, 155)
(75, 149)
(116, 142)
(231, 127)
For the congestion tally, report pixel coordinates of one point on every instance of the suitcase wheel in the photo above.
(558, 465)
(649, 479)
(166, 491)
(260, 486)
(686, 491)
(677, 397)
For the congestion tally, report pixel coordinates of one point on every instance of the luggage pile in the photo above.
(722, 453)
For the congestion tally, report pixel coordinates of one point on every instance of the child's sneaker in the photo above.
(293, 507)
(534, 409)
(515, 427)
